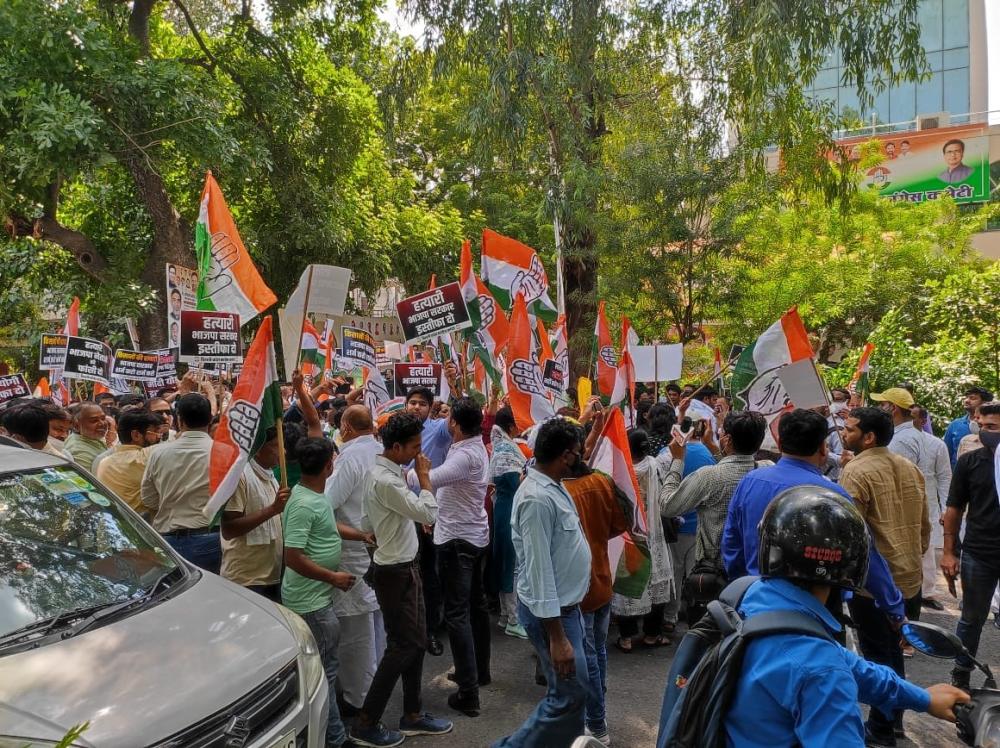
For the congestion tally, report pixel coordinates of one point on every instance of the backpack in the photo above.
(708, 664)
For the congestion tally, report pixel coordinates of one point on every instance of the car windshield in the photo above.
(67, 545)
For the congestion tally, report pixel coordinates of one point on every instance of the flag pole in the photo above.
(280, 428)
(305, 316)
(705, 384)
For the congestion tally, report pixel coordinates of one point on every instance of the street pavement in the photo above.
(635, 689)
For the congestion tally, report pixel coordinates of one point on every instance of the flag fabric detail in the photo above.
(511, 268)
(624, 390)
(604, 353)
(860, 382)
(255, 407)
(228, 280)
(528, 398)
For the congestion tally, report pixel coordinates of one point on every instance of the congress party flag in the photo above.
(511, 268)
(604, 352)
(311, 358)
(528, 398)
(627, 553)
(859, 382)
(560, 347)
(255, 407)
(467, 279)
(490, 331)
(228, 280)
(755, 383)
(624, 391)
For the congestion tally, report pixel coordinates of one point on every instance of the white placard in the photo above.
(803, 384)
(657, 363)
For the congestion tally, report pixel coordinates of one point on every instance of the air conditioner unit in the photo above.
(933, 121)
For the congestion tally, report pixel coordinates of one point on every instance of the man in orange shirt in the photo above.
(600, 505)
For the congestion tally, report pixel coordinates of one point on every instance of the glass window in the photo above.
(827, 77)
(849, 104)
(902, 102)
(929, 16)
(955, 58)
(880, 108)
(930, 94)
(956, 24)
(934, 61)
(956, 90)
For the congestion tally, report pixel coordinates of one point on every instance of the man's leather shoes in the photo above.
(930, 602)
(434, 646)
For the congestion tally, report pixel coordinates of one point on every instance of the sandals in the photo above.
(658, 641)
(624, 645)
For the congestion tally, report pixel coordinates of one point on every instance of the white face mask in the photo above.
(974, 427)
(838, 408)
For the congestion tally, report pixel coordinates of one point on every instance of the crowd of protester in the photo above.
(444, 521)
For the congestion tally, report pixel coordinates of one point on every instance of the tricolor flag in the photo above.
(624, 391)
(228, 280)
(376, 394)
(560, 346)
(511, 268)
(329, 348)
(467, 280)
(310, 359)
(72, 326)
(60, 392)
(489, 332)
(255, 407)
(42, 388)
(604, 352)
(544, 345)
(528, 398)
(859, 382)
(627, 553)
(755, 383)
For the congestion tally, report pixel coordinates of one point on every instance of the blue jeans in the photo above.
(204, 551)
(326, 630)
(558, 719)
(979, 579)
(595, 645)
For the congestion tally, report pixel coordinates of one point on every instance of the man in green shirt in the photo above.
(87, 440)
(312, 554)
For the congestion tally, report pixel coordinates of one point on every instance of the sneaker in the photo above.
(502, 622)
(376, 736)
(601, 735)
(466, 703)
(960, 678)
(516, 629)
(425, 724)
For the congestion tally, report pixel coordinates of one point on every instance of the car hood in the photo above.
(143, 678)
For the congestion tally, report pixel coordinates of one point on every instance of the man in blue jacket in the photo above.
(799, 690)
(802, 440)
(962, 427)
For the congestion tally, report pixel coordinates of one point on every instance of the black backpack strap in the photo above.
(784, 622)
(733, 594)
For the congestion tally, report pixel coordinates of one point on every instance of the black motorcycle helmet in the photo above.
(814, 534)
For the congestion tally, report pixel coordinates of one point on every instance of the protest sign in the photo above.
(53, 352)
(553, 376)
(210, 337)
(433, 313)
(135, 366)
(803, 384)
(322, 290)
(182, 295)
(89, 360)
(380, 328)
(408, 376)
(358, 347)
(13, 386)
(657, 363)
(166, 363)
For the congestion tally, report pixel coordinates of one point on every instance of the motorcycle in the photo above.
(978, 721)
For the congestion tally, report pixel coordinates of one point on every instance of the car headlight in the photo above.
(309, 659)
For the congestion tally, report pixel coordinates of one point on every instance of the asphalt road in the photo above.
(635, 688)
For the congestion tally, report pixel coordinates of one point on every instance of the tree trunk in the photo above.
(580, 277)
(172, 243)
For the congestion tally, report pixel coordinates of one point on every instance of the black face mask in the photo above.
(990, 439)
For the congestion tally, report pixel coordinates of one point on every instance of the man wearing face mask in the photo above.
(971, 442)
(974, 491)
(961, 427)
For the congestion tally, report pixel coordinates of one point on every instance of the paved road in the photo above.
(635, 689)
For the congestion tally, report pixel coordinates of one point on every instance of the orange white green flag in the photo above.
(860, 381)
(254, 408)
(624, 391)
(228, 280)
(604, 352)
(525, 391)
(628, 553)
(510, 268)
(490, 331)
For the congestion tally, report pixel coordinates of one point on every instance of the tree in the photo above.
(557, 69)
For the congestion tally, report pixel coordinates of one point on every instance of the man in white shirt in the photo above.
(935, 464)
(462, 534)
(175, 486)
(392, 510)
(362, 632)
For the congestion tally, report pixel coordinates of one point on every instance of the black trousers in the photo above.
(433, 597)
(652, 623)
(399, 592)
(466, 612)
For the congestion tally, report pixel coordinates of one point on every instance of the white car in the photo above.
(102, 622)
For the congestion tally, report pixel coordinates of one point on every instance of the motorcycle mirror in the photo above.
(932, 640)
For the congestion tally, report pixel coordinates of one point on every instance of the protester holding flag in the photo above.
(312, 558)
(553, 567)
(175, 486)
(252, 546)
